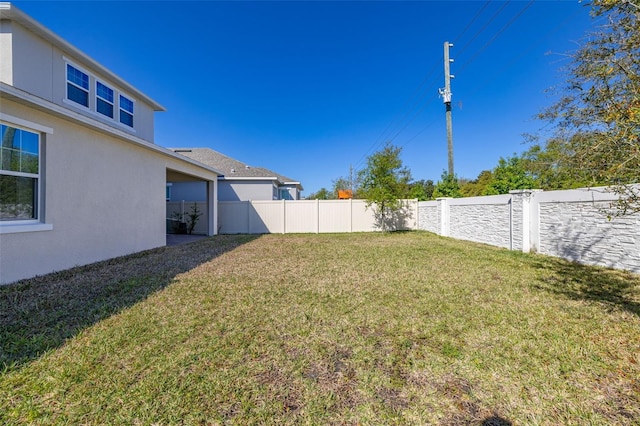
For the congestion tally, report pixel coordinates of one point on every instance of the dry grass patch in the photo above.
(403, 328)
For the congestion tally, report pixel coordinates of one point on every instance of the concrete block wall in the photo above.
(570, 224)
(481, 219)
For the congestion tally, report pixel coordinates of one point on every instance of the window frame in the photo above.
(122, 110)
(37, 223)
(87, 90)
(100, 98)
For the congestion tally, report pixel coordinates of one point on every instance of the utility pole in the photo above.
(351, 178)
(446, 97)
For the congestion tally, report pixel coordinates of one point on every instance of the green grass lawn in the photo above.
(399, 328)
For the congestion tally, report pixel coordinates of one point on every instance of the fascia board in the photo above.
(223, 177)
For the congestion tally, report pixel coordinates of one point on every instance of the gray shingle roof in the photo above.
(230, 166)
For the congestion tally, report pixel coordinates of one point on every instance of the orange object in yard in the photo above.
(345, 194)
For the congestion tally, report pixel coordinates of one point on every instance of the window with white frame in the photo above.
(104, 99)
(77, 86)
(126, 111)
(19, 174)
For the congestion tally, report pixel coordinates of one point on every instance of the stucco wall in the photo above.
(6, 51)
(103, 196)
(188, 191)
(246, 190)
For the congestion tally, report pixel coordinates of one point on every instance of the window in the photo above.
(104, 100)
(77, 86)
(19, 174)
(126, 111)
(285, 194)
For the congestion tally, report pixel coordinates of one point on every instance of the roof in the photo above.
(232, 168)
(10, 12)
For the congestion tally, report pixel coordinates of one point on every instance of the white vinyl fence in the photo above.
(308, 216)
(571, 224)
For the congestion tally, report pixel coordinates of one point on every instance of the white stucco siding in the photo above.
(6, 49)
(246, 190)
(32, 68)
(103, 196)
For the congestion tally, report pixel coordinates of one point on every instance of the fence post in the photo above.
(443, 210)
(284, 217)
(524, 218)
(249, 205)
(350, 215)
(317, 216)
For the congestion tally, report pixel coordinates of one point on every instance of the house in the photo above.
(238, 182)
(81, 179)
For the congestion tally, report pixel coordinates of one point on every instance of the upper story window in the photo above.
(126, 111)
(99, 97)
(19, 174)
(104, 99)
(77, 86)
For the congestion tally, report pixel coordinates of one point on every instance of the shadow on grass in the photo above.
(614, 288)
(39, 314)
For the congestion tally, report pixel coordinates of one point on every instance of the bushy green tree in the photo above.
(508, 175)
(447, 186)
(421, 189)
(476, 187)
(321, 194)
(384, 182)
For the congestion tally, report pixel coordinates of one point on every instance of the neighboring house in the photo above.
(238, 182)
(81, 179)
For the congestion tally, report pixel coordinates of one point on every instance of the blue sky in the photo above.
(308, 89)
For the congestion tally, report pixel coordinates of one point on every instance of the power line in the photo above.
(477, 15)
(484, 27)
(495, 36)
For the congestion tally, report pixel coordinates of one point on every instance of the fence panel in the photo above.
(335, 215)
(574, 225)
(481, 219)
(266, 217)
(301, 216)
(236, 217)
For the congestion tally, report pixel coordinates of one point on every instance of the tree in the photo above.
(340, 184)
(509, 174)
(321, 194)
(383, 183)
(598, 115)
(447, 186)
(476, 187)
(421, 189)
